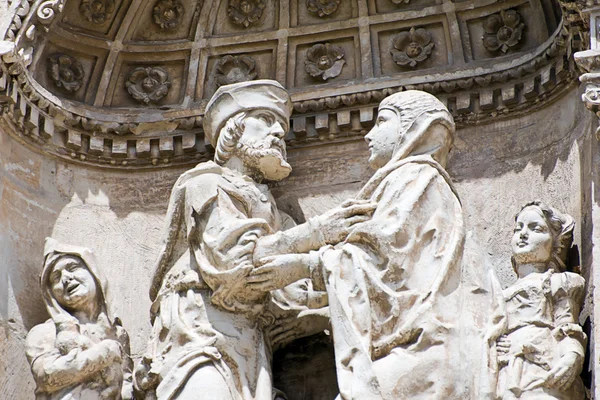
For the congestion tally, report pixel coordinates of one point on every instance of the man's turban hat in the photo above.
(229, 100)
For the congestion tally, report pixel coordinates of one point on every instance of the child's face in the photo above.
(532, 239)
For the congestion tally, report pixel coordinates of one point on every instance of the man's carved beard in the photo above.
(267, 162)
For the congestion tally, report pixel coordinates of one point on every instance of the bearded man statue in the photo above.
(209, 324)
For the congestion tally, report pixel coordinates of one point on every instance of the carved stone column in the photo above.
(589, 62)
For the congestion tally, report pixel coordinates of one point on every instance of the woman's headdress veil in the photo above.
(53, 251)
(417, 111)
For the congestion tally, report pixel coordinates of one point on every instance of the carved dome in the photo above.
(129, 79)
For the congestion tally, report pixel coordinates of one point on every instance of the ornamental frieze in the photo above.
(354, 67)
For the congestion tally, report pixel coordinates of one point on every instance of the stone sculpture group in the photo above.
(415, 309)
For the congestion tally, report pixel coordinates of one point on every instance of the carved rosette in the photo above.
(97, 11)
(167, 14)
(65, 72)
(322, 8)
(245, 12)
(234, 69)
(502, 31)
(324, 60)
(400, 1)
(409, 48)
(148, 84)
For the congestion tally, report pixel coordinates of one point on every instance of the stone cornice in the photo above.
(134, 138)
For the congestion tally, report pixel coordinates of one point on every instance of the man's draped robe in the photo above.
(204, 312)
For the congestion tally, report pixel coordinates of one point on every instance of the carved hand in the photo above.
(337, 223)
(307, 323)
(277, 272)
(502, 348)
(564, 373)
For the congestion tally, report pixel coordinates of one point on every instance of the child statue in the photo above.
(541, 353)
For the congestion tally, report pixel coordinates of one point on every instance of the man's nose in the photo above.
(277, 130)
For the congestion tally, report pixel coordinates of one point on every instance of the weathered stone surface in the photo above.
(91, 174)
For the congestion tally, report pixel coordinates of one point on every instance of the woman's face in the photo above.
(72, 284)
(532, 239)
(382, 138)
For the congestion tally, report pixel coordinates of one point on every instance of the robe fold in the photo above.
(396, 290)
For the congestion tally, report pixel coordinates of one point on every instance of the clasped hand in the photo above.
(277, 272)
(337, 223)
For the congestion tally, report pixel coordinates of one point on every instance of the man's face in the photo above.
(71, 283)
(382, 138)
(262, 144)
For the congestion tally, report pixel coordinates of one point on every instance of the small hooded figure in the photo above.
(80, 352)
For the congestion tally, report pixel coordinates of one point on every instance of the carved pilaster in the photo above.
(589, 62)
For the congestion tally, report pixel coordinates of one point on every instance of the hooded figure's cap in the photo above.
(229, 100)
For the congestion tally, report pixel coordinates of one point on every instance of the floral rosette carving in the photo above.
(324, 60)
(411, 47)
(322, 7)
(502, 31)
(167, 14)
(66, 72)
(148, 84)
(97, 11)
(235, 69)
(245, 12)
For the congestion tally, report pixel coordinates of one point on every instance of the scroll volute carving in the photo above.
(322, 8)
(245, 12)
(234, 69)
(97, 11)
(503, 31)
(148, 84)
(65, 72)
(410, 48)
(167, 14)
(324, 61)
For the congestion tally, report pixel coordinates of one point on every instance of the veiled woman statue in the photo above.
(80, 352)
(410, 298)
(542, 350)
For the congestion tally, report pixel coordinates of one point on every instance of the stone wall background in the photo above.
(497, 167)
